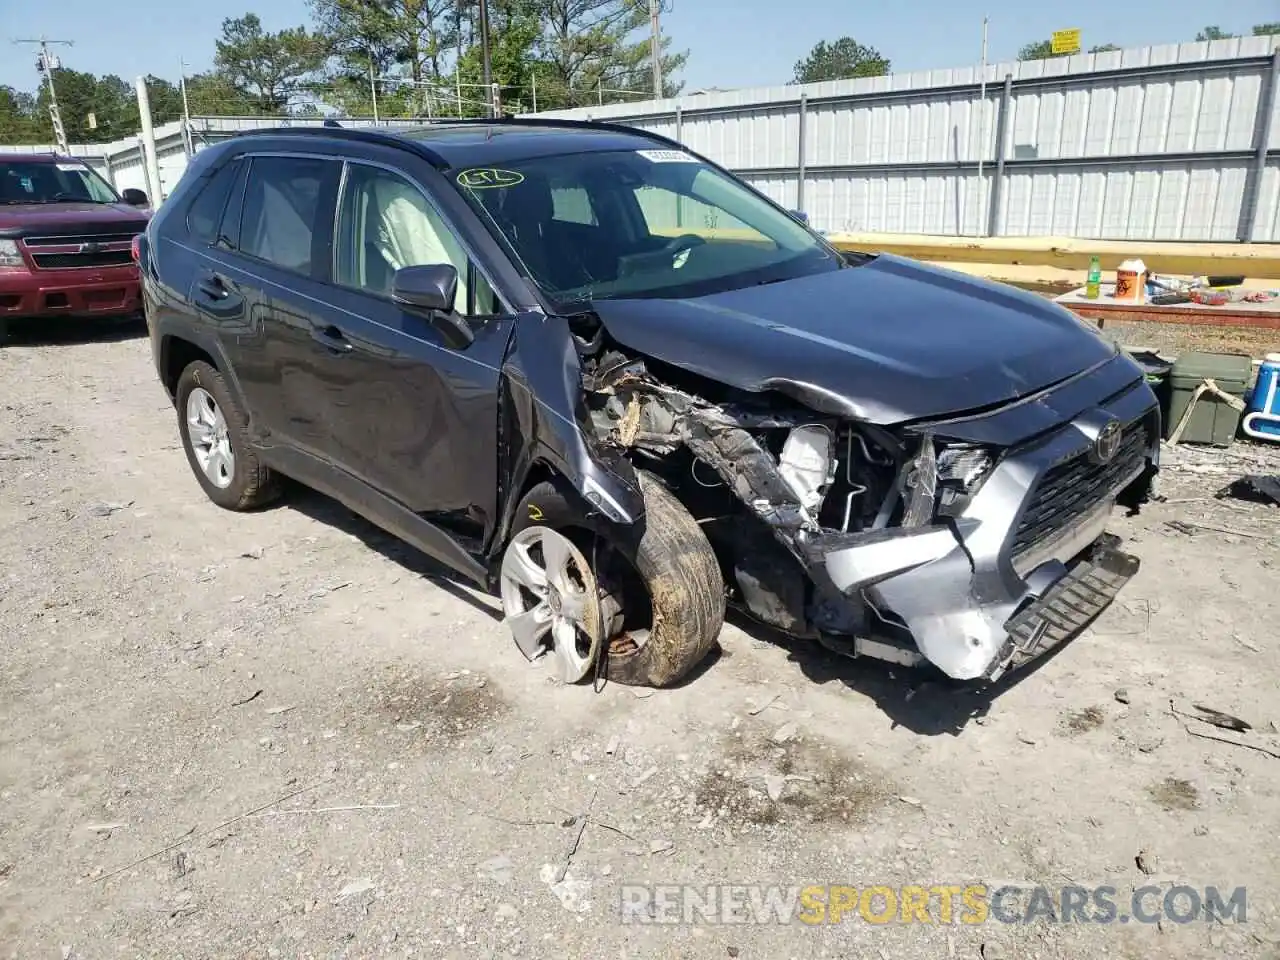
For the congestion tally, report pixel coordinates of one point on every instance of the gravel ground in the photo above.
(215, 692)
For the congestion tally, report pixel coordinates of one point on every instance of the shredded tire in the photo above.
(252, 485)
(679, 570)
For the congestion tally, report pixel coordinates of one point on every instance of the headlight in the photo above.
(961, 470)
(10, 255)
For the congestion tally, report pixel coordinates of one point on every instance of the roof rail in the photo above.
(423, 146)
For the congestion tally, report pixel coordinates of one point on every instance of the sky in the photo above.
(731, 43)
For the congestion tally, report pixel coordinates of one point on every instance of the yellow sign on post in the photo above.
(1065, 41)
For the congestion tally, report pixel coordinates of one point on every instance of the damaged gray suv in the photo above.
(600, 376)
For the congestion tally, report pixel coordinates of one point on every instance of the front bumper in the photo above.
(106, 292)
(981, 595)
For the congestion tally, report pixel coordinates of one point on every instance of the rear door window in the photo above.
(284, 208)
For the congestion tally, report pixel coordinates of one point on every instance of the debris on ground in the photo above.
(1219, 719)
(1122, 695)
(785, 732)
(1255, 488)
(106, 509)
(1146, 862)
(354, 889)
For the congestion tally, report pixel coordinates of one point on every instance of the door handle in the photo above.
(332, 338)
(213, 287)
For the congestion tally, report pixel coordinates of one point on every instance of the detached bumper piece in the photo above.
(1067, 607)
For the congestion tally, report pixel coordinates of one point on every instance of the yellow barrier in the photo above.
(1258, 260)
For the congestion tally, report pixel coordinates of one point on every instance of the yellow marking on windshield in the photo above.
(484, 178)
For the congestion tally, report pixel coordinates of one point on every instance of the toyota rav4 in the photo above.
(595, 373)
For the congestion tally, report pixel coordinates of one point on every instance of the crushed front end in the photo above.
(977, 544)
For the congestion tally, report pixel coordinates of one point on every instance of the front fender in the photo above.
(544, 429)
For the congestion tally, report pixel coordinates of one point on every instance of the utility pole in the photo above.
(484, 49)
(982, 115)
(655, 46)
(46, 64)
(373, 89)
(187, 141)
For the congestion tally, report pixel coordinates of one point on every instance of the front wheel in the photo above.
(648, 601)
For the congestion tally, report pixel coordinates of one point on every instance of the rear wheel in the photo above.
(650, 601)
(217, 444)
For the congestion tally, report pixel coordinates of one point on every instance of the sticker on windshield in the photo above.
(666, 156)
(70, 167)
(485, 178)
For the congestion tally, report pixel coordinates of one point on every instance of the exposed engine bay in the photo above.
(768, 480)
(866, 538)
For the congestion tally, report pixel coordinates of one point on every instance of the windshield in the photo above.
(29, 182)
(638, 223)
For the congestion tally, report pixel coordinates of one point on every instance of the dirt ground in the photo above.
(217, 692)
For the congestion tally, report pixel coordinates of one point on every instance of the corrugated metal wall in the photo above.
(1148, 143)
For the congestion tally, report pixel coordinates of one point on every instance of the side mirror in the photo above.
(429, 291)
(134, 197)
(800, 215)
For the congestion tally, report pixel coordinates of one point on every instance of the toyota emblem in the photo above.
(1107, 444)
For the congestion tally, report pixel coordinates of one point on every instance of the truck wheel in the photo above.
(217, 445)
(661, 595)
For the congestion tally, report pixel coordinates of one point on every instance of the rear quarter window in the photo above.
(205, 212)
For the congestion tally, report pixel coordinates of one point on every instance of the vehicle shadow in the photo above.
(330, 512)
(70, 331)
(921, 699)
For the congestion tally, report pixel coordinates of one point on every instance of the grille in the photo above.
(76, 239)
(59, 261)
(1070, 489)
(81, 250)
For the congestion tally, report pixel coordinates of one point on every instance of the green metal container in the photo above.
(1214, 421)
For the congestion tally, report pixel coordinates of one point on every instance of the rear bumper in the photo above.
(977, 599)
(106, 292)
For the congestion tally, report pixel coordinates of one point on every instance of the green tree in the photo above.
(588, 45)
(93, 109)
(20, 121)
(1213, 33)
(214, 95)
(840, 60)
(165, 99)
(1265, 29)
(271, 67)
(514, 30)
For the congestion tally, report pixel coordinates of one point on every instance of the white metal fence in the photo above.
(1177, 142)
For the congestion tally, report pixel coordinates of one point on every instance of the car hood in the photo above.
(885, 342)
(17, 219)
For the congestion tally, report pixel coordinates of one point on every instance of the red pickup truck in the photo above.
(66, 241)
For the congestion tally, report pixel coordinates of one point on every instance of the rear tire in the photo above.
(674, 563)
(248, 484)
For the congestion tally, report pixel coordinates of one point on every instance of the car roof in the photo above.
(469, 143)
(7, 157)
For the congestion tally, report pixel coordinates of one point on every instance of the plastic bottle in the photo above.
(1094, 284)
